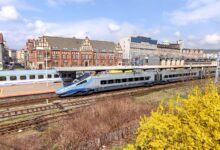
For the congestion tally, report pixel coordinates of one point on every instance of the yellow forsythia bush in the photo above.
(191, 123)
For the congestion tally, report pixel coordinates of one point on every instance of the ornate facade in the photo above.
(66, 52)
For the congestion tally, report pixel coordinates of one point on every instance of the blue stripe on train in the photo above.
(74, 91)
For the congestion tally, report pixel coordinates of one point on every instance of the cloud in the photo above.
(97, 28)
(196, 11)
(8, 13)
(66, 2)
(114, 27)
(177, 33)
(212, 39)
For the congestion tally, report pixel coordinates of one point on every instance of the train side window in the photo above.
(32, 77)
(170, 76)
(117, 81)
(141, 78)
(82, 82)
(103, 82)
(56, 76)
(124, 80)
(13, 78)
(136, 79)
(49, 76)
(166, 76)
(2, 78)
(40, 76)
(130, 79)
(110, 81)
(64, 75)
(23, 77)
(147, 78)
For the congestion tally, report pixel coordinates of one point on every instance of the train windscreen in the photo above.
(80, 78)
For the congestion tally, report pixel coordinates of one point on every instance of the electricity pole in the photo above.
(217, 69)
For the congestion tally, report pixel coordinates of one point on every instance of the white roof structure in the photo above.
(101, 68)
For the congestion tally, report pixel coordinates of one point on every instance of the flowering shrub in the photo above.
(191, 123)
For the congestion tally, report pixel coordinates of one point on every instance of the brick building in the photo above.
(63, 52)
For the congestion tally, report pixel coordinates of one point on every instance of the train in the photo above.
(17, 77)
(120, 79)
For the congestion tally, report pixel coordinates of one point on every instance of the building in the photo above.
(4, 59)
(211, 53)
(22, 57)
(12, 53)
(137, 49)
(50, 52)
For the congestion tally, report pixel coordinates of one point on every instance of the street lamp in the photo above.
(45, 48)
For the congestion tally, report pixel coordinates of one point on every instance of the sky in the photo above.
(196, 22)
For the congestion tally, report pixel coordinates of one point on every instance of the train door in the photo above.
(158, 77)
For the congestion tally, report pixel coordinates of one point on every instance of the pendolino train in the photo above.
(119, 79)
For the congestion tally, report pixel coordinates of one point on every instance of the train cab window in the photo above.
(2, 78)
(23, 77)
(103, 82)
(110, 81)
(130, 79)
(117, 81)
(56, 76)
(32, 76)
(49, 76)
(82, 82)
(124, 80)
(40, 76)
(13, 78)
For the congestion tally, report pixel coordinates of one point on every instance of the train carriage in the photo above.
(17, 77)
(113, 80)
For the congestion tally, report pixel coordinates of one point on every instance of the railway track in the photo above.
(64, 105)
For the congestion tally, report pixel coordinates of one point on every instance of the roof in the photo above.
(169, 46)
(26, 72)
(75, 44)
(101, 68)
(211, 50)
(102, 45)
(64, 43)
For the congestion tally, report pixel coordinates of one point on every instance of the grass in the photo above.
(165, 94)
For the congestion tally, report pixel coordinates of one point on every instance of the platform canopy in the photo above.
(103, 68)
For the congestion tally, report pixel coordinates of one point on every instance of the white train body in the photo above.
(109, 81)
(17, 77)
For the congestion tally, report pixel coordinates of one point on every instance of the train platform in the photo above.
(28, 89)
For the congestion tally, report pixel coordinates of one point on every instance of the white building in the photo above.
(137, 48)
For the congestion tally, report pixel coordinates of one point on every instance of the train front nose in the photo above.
(60, 91)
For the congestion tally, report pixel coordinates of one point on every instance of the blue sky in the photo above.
(194, 21)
